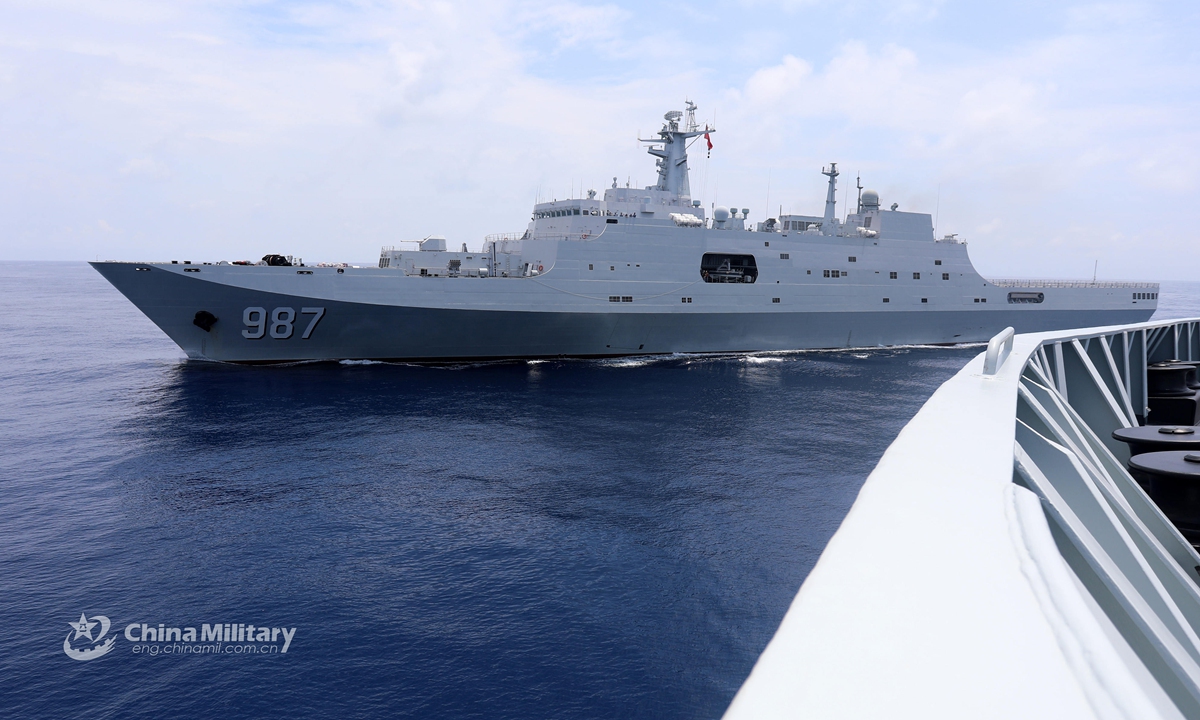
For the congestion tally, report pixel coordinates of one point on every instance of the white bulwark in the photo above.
(639, 271)
(1001, 561)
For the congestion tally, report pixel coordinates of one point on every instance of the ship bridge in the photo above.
(670, 194)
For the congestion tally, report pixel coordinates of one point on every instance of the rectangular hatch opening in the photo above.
(728, 268)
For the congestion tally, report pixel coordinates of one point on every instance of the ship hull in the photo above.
(483, 329)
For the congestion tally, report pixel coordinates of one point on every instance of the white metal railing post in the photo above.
(998, 350)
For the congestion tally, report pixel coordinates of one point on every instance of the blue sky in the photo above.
(1049, 137)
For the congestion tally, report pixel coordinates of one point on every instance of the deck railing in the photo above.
(505, 237)
(1070, 284)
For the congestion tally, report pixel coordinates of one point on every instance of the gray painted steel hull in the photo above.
(376, 330)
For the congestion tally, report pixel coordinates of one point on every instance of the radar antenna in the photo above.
(670, 147)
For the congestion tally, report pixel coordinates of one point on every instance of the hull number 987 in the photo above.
(281, 323)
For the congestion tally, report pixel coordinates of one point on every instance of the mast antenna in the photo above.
(858, 181)
(691, 116)
(768, 205)
(938, 210)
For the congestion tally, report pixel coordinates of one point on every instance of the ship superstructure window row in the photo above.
(570, 212)
(836, 273)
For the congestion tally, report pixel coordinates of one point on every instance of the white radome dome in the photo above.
(870, 199)
(721, 213)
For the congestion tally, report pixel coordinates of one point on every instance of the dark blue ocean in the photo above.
(577, 539)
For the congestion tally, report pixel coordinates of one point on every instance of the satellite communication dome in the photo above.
(721, 214)
(870, 200)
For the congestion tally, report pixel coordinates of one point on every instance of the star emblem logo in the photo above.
(83, 628)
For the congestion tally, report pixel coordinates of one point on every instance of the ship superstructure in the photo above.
(638, 271)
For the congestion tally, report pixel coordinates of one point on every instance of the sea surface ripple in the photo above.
(612, 539)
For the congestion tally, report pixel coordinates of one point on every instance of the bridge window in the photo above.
(728, 268)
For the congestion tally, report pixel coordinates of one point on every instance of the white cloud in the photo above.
(146, 166)
(328, 129)
(1028, 134)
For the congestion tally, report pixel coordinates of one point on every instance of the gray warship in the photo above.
(641, 271)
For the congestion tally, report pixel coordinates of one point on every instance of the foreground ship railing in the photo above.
(1001, 561)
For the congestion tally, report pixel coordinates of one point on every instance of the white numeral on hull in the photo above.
(282, 322)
